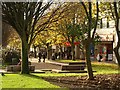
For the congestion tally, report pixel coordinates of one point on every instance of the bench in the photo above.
(77, 63)
(68, 71)
(16, 68)
(73, 67)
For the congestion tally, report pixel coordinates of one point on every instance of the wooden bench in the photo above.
(77, 63)
(73, 67)
(16, 68)
(68, 71)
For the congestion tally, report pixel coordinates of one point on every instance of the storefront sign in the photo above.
(106, 37)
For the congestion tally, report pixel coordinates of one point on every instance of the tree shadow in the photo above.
(32, 76)
(118, 70)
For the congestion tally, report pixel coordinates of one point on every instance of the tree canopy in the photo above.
(23, 17)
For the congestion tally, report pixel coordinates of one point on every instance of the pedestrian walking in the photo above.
(56, 55)
(99, 57)
(44, 56)
(39, 55)
(53, 56)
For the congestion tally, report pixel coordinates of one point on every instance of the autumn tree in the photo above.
(69, 26)
(23, 17)
(90, 38)
(43, 40)
(14, 40)
(5, 34)
(50, 35)
(117, 21)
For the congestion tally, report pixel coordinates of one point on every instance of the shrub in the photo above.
(11, 57)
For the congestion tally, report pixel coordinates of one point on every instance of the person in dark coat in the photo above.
(100, 57)
(56, 55)
(44, 56)
(39, 55)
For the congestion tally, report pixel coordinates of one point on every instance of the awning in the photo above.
(68, 44)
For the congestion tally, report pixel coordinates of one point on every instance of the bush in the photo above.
(11, 57)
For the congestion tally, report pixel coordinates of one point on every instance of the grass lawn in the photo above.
(35, 80)
(25, 81)
(104, 68)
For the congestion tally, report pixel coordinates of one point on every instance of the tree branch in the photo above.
(96, 20)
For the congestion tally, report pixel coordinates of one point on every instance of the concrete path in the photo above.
(49, 64)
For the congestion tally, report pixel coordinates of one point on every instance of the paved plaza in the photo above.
(48, 65)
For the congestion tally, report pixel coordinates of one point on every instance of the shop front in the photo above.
(105, 47)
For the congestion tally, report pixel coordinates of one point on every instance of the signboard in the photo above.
(106, 37)
(110, 57)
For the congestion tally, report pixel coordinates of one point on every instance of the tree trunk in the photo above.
(35, 52)
(116, 50)
(101, 23)
(73, 47)
(61, 52)
(88, 61)
(48, 52)
(24, 66)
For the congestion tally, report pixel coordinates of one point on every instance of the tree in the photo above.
(117, 18)
(10, 37)
(70, 26)
(44, 39)
(14, 40)
(5, 34)
(71, 32)
(24, 17)
(90, 38)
